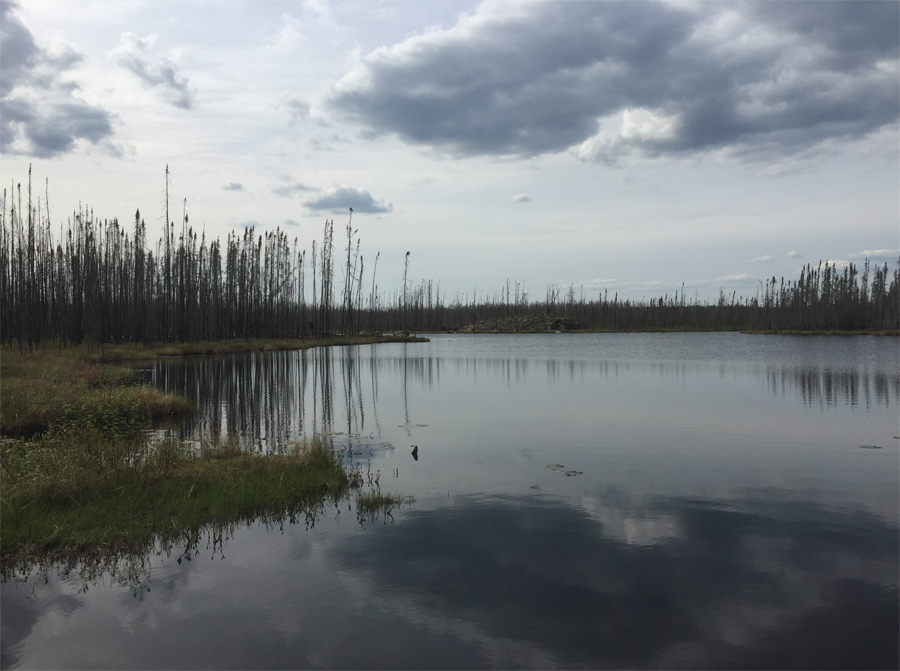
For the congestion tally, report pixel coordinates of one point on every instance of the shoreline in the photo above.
(815, 332)
(81, 476)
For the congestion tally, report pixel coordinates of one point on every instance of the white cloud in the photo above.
(877, 254)
(743, 277)
(768, 258)
(288, 36)
(137, 55)
(794, 254)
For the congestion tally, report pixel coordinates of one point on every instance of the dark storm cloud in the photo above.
(768, 79)
(341, 198)
(39, 114)
(135, 54)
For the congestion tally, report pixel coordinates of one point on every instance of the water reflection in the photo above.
(767, 583)
(831, 387)
(725, 516)
(272, 398)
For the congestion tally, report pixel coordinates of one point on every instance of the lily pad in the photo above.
(571, 473)
(387, 446)
(556, 467)
(871, 447)
(535, 486)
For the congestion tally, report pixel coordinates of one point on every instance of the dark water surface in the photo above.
(725, 514)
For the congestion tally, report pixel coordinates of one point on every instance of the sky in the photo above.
(627, 147)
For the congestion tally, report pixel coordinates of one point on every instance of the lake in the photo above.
(666, 500)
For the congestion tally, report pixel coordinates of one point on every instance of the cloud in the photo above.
(39, 113)
(609, 79)
(743, 277)
(547, 601)
(341, 198)
(291, 222)
(287, 190)
(233, 186)
(136, 55)
(877, 254)
(768, 258)
(793, 254)
(521, 198)
(288, 36)
(320, 9)
(296, 109)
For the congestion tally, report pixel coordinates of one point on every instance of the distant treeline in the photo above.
(99, 282)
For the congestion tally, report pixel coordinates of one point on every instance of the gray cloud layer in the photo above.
(760, 80)
(135, 54)
(341, 198)
(292, 189)
(39, 114)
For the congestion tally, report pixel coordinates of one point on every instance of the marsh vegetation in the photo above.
(81, 473)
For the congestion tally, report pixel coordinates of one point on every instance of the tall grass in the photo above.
(44, 389)
(66, 494)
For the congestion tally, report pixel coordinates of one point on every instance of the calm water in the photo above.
(725, 514)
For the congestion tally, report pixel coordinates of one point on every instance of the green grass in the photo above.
(37, 389)
(378, 501)
(133, 352)
(66, 496)
(47, 388)
(82, 483)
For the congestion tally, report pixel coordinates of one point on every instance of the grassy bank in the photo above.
(68, 496)
(80, 477)
(132, 352)
(42, 388)
(49, 387)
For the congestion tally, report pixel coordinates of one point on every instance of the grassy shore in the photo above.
(69, 496)
(46, 388)
(80, 475)
(42, 388)
(132, 352)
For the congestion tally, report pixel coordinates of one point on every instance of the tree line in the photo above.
(98, 281)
